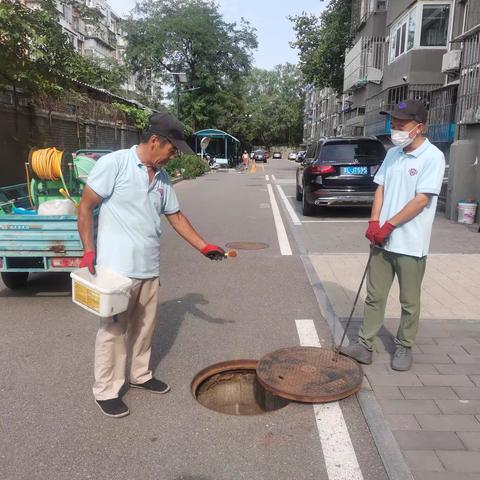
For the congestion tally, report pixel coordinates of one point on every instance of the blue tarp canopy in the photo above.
(226, 151)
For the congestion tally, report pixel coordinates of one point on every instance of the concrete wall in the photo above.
(396, 8)
(421, 66)
(24, 127)
(374, 26)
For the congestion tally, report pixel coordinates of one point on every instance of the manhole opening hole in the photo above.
(247, 245)
(233, 388)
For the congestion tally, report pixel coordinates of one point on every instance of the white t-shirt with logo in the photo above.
(402, 176)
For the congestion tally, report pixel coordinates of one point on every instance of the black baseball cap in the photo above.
(167, 126)
(409, 110)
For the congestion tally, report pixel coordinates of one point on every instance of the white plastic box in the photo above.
(105, 294)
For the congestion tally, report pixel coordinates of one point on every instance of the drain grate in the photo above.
(247, 245)
(309, 374)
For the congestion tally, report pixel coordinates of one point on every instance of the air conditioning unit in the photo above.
(451, 61)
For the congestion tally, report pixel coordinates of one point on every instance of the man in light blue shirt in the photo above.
(133, 191)
(399, 230)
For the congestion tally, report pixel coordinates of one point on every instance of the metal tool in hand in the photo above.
(337, 349)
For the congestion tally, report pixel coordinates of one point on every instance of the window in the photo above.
(369, 151)
(435, 25)
(425, 25)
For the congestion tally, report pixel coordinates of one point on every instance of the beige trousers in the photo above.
(126, 343)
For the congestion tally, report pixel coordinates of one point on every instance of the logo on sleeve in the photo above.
(160, 189)
(412, 172)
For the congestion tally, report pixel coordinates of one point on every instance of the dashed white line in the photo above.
(340, 459)
(288, 206)
(267, 178)
(283, 242)
(274, 179)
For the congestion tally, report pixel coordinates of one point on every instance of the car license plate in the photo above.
(354, 171)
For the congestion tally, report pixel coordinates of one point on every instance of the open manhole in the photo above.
(247, 245)
(233, 388)
(302, 374)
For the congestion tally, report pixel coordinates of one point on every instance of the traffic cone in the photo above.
(254, 167)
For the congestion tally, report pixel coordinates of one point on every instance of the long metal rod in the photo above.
(337, 349)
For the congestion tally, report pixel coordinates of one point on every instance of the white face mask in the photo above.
(401, 138)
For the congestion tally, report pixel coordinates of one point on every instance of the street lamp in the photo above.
(180, 78)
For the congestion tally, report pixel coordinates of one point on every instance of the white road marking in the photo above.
(267, 178)
(274, 179)
(334, 221)
(283, 242)
(338, 452)
(288, 206)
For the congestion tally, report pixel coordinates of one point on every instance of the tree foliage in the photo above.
(191, 36)
(37, 56)
(322, 42)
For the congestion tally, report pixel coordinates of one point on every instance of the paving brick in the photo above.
(471, 440)
(445, 380)
(448, 423)
(475, 379)
(425, 341)
(435, 393)
(464, 358)
(461, 461)
(401, 407)
(459, 369)
(457, 341)
(393, 393)
(422, 440)
(443, 349)
(432, 358)
(462, 407)
(399, 380)
(422, 475)
(423, 460)
(402, 422)
(473, 349)
(379, 369)
(468, 393)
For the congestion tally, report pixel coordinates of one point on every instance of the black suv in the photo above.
(339, 171)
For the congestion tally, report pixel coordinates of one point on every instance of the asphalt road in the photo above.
(209, 312)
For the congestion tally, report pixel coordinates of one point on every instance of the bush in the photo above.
(189, 166)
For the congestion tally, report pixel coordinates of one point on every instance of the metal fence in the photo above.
(468, 107)
(441, 115)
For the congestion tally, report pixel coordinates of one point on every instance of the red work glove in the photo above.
(89, 260)
(383, 233)
(213, 252)
(373, 228)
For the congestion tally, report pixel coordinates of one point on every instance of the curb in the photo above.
(176, 180)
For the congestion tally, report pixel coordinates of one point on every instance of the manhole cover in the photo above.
(309, 374)
(247, 245)
(233, 388)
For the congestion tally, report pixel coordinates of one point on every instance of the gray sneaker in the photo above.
(402, 359)
(358, 352)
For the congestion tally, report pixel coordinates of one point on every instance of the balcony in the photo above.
(364, 63)
(102, 34)
(362, 10)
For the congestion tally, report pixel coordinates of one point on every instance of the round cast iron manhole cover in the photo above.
(309, 374)
(247, 245)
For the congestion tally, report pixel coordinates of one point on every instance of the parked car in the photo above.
(260, 156)
(292, 156)
(300, 156)
(277, 154)
(339, 171)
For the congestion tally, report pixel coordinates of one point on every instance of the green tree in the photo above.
(322, 42)
(191, 36)
(37, 56)
(275, 101)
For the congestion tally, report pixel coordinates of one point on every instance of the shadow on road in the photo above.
(171, 315)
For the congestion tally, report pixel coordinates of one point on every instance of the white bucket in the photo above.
(466, 212)
(105, 294)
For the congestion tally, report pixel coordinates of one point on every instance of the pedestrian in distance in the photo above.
(400, 226)
(245, 159)
(133, 189)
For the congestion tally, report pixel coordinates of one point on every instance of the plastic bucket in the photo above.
(466, 212)
(105, 294)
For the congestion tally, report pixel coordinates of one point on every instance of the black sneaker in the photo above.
(114, 407)
(153, 385)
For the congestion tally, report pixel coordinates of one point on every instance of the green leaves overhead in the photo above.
(322, 42)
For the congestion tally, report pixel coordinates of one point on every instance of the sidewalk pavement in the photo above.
(434, 409)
